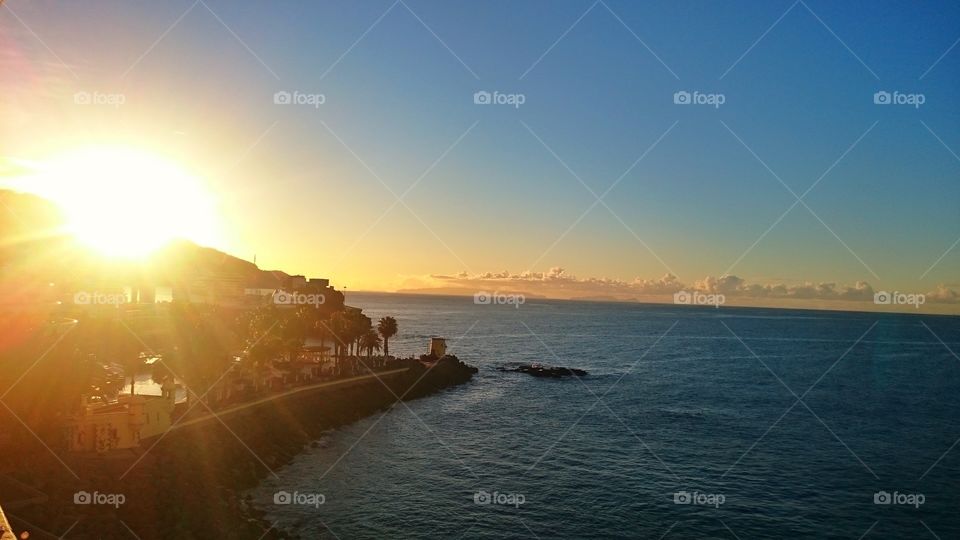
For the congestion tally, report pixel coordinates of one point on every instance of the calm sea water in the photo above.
(695, 400)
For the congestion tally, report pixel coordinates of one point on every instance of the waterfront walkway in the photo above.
(328, 385)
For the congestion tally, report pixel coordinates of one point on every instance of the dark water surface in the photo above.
(793, 420)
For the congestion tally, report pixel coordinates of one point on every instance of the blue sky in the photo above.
(400, 93)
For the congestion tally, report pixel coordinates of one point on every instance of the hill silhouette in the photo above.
(35, 252)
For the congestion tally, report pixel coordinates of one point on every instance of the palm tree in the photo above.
(292, 348)
(198, 352)
(370, 341)
(127, 348)
(131, 363)
(361, 326)
(387, 328)
(322, 332)
(338, 331)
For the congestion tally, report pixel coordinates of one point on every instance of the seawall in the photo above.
(188, 483)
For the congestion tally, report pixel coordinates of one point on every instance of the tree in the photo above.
(361, 326)
(387, 328)
(321, 331)
(131, 361)
(296, 325)
(119, 343)
(338, 331)
(198, 348)
(370, 341)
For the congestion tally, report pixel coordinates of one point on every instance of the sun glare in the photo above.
(126, 203)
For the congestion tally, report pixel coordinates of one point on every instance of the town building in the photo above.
(118, 425)
(438, 347)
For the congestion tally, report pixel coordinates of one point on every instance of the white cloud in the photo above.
(558, 283)
(943, 295)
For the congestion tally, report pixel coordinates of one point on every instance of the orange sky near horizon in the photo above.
(181, 137)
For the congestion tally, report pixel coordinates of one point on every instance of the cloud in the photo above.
(558, 283)
(943, 295)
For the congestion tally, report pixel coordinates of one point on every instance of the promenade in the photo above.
(327, 385)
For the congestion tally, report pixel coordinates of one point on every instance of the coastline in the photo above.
(191, 483)
(795, 305)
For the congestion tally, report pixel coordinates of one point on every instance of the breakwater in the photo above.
(189, 483)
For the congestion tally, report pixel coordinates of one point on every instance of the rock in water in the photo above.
(539, 370)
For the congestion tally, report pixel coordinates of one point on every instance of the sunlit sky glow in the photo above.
(124, 202)
(493, 188)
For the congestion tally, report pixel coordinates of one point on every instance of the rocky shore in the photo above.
(552, 372)
(189, 484)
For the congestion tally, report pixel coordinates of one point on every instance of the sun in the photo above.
(125, 202)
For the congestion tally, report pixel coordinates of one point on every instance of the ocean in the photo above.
(692, 423)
